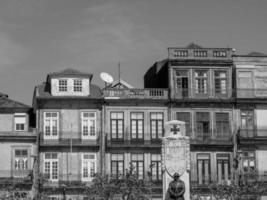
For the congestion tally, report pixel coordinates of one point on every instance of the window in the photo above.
(88, 166)
(201, 81)
(203, 169)
(249, 162)
(185, 117)
(247, 123)
(220, 82)
(116, 125)
(51, 125)
(182, 82)
(223, 167)
(203, 125)
(137, 161)
(77, 85)
(137, 126)
(51, 166)
(63, 85)
(156, 125)
(88, 125)
(20, 121)
(117, 165)
(20, 162)
(156, 167)
(222, 125)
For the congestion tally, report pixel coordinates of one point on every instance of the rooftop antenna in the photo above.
(106, 78)
(119, 68)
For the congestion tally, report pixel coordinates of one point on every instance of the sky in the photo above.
(38, 37)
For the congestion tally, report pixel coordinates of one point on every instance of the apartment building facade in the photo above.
(251, 107)
(200, 85)
(68, 115)
(18, 149)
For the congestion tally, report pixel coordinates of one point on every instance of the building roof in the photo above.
(3, 95)
(254, 53)
(5, 102)
(69, 73)
(43, 92)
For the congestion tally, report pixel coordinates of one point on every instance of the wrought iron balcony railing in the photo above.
(135, 93)
(16, 176)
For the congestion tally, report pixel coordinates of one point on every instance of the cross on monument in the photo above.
(175, 129)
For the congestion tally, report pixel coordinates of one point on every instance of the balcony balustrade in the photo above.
(208, 138)
(159, 94)
(251, 93)
(9, 177)
(124, 143)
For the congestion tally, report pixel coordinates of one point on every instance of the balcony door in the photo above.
(88, 166)
(203, 126)
(182, 86)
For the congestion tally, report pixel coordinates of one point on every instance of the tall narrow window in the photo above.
(20, 162)
(88, 166)
(51, 166)
(77, 85)
(88, 125)
(223, 167)
(203, 169)
(20, 121)
(220, 82)
(116, 125)
(51, 125)
(222, 125)
(156, 125)
(137, 126)
(182, 83)
(201, 82)
(137, 161)
(117, 165)
(203, 125)
(62, 85)
(185, 117)
(156, 167)
(248, 163)
(247, 123)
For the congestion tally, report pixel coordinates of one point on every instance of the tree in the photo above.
(128, 187)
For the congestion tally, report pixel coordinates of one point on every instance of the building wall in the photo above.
(7, 122)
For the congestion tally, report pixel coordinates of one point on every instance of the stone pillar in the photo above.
(176, 155)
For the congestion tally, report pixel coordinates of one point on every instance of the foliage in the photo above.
(128, 187)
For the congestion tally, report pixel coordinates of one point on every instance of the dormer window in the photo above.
(77, 85)
(20, 121)
(63, 85)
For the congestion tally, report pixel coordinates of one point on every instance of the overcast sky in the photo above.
(42, 36)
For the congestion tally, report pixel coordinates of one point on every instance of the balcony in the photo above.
(157, 94)
(133, 143)
(248, 93)
(19, 135)
(208, 138)
(68, 142)
(15, 177)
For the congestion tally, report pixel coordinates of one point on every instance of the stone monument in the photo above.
(176, 156)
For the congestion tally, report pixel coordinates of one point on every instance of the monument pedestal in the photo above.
(176, 156)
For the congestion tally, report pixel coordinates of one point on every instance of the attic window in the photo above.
(62, 85)
(20, 121)
(77, 85)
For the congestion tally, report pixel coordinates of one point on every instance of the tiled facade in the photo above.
(84, 130)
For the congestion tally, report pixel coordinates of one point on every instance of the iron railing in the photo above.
(16, 176)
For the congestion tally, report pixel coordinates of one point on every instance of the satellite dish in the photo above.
(106, 77)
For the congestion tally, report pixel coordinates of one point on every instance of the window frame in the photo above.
(63, 87)
(203, 168)
(51, 162)
(88, 160)
(77, 85)
(223, 134)
(219, 158)
(137, 165)
(117, 162)
(51, 118)
(117, 138)
(88, 124)
(200, 80)
(20, 115)
(156, 125)
(158, 167)
(137, 138)
(218, 92)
